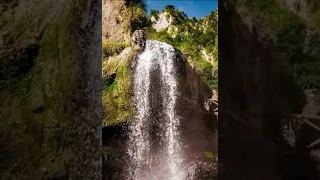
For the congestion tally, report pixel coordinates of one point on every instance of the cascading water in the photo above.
(154, 143)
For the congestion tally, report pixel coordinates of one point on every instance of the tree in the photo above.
(169, 8)
(138, 13)
(184, 15)
(155, 13)
(194, 19)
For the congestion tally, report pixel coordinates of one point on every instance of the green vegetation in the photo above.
(116, 93)
(192, 36)
(288, 31)
(210, 155)
(155, 13)
(178, 17)
(111, 49)
(35, 112)
(116, 77)
(116, 72)
(139, 18)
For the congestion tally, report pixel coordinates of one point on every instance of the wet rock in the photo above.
(138, 40)
(203, 168)
(212, 103)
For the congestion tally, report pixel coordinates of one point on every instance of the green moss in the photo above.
(36, 111)
(210, 156)
(116, 95)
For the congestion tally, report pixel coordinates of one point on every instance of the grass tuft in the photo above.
(111, 49)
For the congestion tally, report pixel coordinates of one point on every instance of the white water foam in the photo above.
(169, 159)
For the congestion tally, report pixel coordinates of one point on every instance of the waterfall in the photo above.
(154, 145)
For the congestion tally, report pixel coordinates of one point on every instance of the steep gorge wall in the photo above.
(256, 92)
(50, 119)
(197, 125)
(116, 23)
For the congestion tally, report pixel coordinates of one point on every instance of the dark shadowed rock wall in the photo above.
(255, 92)
(50, 89)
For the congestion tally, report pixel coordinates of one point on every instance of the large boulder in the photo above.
(138, 40)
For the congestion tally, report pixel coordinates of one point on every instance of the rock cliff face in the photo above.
(116, 26)
(50, 120)
(265, 93)
(197, 37)
(195, 90)
(198, 125)
(162, 22)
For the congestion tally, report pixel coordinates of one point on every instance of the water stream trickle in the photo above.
(154, 144)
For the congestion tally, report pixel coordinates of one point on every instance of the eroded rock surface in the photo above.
(50, 89)
(138, 40)
(116, 21)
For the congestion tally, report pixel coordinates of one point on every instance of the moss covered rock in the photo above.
(116, 93)
(49, 88)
